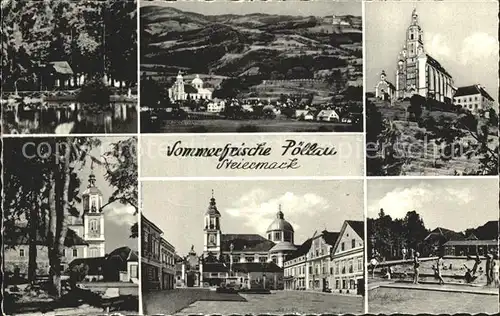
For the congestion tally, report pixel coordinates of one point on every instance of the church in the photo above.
(189, 91)
(418, 72)
(256, 260)
(84, 239)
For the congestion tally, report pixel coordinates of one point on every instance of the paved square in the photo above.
(391, 301)
(191, 301)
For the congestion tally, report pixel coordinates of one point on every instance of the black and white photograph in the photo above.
(70, 226)
(431, 88)
(252, 247)
(69, 67)
(433, 246)
(227, 66)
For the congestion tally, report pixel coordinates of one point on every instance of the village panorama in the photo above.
(257, 70)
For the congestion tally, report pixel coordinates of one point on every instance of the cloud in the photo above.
(258, 208)
(477, 47)
(122, 215)
(437, 46)
(421, 198)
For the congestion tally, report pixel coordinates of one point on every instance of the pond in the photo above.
(56, 117)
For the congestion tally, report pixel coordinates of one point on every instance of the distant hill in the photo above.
(262, 45)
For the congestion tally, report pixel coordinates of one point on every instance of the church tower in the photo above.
(179, 87)
(212, 231)
(414, 41)
(93, 219)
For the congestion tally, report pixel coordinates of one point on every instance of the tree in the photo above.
(54, 183)
(493, 117)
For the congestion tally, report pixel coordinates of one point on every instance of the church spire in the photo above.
(91, 176)
(414, 17)
(280, 214)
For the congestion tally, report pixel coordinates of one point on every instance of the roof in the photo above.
(146, 221)
(212, 208)
(327, 112)
(358, 227)
(95, 264)
(124, 254)
(473, 89)
(61, 67)
(280, 223)
(446, 233)
(434, 63)
(490, 230)
(190, 89)
(245, 242)
(330, 237)
(302, 249)
(283, 247)
(472, 243)
(21, 237)
(246, 267)
(256, 267)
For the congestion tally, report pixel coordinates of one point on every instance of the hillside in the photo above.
(255, 45)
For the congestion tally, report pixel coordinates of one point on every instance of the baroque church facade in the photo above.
(181, 90)
(418, 72)
(248, 248)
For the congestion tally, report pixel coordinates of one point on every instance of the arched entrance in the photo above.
(191, 279)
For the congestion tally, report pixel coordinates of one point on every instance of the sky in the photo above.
(249, 207)
(299, 8)
(451, 203)
(461, 36)
(118, 218)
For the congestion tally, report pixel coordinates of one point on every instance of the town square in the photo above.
(273, 265)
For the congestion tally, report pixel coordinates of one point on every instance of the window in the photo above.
(411, 36)
(331, 270)
(337, 284)
(310, 270)
(75, 252)
(342, 246)
(64, 253)
(337, 268)
(269, 236)
(277, 235)
(249, 259)
(360, 264)
(263, 259)
(353, 243)
(133, 271)
(21, 252)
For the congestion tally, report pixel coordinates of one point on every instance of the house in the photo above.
(56, 74)
(251, 275)
(347, 258)
(470, 247)
(306, 115)
(439, 236)
(328, 115)
(120, 265)
(473, 98)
